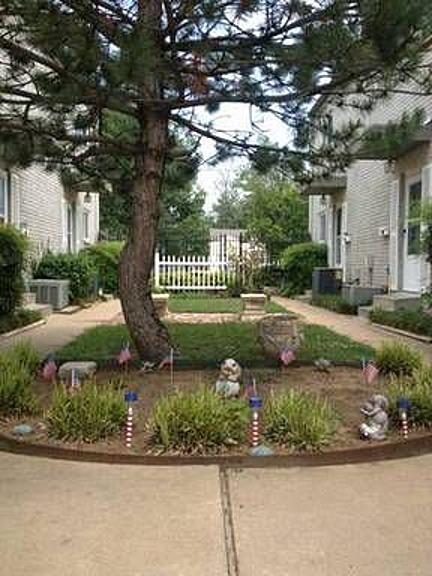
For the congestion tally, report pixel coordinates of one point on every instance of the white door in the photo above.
(412, 236)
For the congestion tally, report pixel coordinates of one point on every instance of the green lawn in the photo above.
(208, 344)
(214, 305)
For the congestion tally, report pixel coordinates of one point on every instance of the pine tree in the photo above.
(67, 64)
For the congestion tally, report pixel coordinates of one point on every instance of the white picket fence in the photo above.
(191, 273)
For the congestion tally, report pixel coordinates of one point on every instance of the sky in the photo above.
(229, 117)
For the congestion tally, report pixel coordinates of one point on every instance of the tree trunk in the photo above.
(148, 333)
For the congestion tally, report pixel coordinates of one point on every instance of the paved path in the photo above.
(62, 328)
(359, 329)
(80, 519)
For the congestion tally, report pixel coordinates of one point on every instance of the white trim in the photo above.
(5, 215)
(394, 228)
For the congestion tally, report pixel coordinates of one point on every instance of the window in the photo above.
(338, 237)
(70, 230)
(322, 227)
(86, 226)
(414, 219)
(3, 199)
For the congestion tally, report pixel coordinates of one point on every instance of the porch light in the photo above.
(87, 198)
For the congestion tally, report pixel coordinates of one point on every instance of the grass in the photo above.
(299, 420)
(214, 305)
(209, 344)
(198, 422)
(321, 342)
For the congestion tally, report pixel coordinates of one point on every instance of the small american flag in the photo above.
(369, 371)
(124, 355)
(49, 369)
(168, 361)
(286, 356)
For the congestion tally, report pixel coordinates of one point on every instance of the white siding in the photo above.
(40, 208)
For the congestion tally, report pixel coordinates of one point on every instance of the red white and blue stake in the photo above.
(255, 403)
(130, 397)
(403, 405)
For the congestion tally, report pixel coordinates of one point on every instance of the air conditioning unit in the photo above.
(326, 281)
(54, 292)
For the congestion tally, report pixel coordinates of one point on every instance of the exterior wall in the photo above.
(37, 205)
(369, 199)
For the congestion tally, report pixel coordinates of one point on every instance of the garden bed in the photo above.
(343, 387)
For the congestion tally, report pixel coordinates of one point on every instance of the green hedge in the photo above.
(298, 262)
(77, 268)
(13, 249)
(105, 257)
(410, 320)
(336, 303)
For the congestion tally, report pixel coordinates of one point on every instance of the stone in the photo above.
(254, 303)
(261, 450)
(161, 304)
(84, 369)
(22, 430)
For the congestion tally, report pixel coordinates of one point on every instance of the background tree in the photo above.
(66, 63)
(228, 211)
(183, 226)
(275, 212)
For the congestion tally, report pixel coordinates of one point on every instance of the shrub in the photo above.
(91, 414)
(418, 389)
(298, 262)
(197, 422)
(106, 257)
(13, 249)
(77, 268)
(398, 358)
(18, 319)
(17, 369)
(272, 276)
(299, 420)
(411, 320)
(336, 303)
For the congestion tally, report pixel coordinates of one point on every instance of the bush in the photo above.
(106, 257)
(336, 303)
(299, 420)
(13, 249)
(77, 268)
(398, 359)
(91, 414)
(17, 369)
(273, 276)
(418, 389)
(198, 422)
(414, 321)
(18, 319)
(298, 262)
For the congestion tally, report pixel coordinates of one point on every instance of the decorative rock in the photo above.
(22, 430)
(228, 382)
(261, 450)
(83, 370)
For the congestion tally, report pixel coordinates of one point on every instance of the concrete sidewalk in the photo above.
(354, 327)
(60, 329)
(80, 519)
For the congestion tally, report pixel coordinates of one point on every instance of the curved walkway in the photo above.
(357, 328)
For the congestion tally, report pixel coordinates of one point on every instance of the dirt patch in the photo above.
(342, 386)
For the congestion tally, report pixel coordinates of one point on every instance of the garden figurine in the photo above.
(228, 382)
(376, 426)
